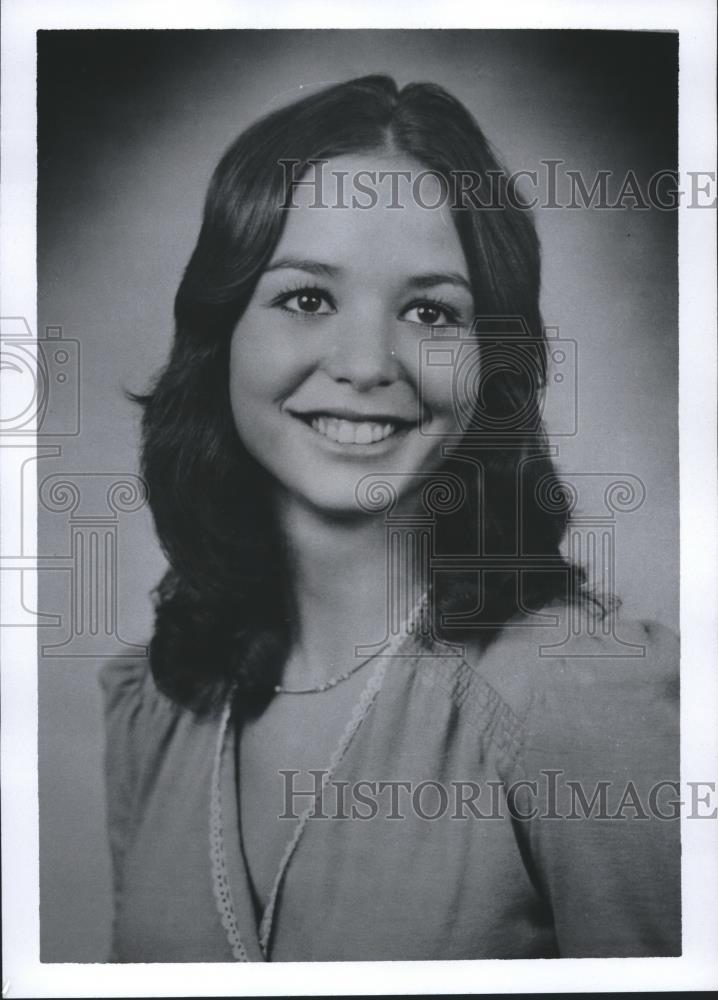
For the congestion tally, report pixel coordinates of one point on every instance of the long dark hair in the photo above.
(222, 615)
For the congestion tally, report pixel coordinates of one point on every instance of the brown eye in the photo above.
(309, 302)
(306, 302)
(431, 314)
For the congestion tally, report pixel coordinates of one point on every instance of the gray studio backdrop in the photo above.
(131, 125)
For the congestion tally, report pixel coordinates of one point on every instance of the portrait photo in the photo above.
(354, 444)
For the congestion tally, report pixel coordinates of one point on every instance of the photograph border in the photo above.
(697, 968)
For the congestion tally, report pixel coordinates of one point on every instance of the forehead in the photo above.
(398, 230)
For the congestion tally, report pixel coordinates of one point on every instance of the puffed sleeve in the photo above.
(124, 685)
(599, 781)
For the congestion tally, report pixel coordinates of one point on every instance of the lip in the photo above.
(344, 413)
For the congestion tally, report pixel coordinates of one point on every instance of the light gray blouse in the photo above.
(570, 846)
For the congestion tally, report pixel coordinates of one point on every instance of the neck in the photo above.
(339, 574)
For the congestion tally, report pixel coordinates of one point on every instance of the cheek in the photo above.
(452, 383)
(438, 391)
(255, 360)
(250, 380)
(266, 364)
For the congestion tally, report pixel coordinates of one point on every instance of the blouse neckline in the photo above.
(230, 877)
(231, 880)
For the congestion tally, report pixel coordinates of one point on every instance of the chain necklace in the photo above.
(405, 627)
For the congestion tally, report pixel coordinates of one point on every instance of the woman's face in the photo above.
(326, 379)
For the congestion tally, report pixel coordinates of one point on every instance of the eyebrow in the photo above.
(432, 278)
(427, 280)
(310, 266)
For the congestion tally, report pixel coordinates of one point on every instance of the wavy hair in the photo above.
(222, 610)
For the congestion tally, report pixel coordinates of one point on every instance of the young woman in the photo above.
(360, 736)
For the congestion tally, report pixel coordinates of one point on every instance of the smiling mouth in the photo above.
(355, 431)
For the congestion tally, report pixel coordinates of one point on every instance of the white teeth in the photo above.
(351, 431)
(346, 432)
(363, 434)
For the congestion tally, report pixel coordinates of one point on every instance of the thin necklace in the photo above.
(406, 626)
(221, 886)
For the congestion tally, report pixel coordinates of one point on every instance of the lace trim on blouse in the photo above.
(221, 886)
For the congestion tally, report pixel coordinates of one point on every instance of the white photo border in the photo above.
(697, 968)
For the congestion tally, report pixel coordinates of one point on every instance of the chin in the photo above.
(333, 503)
(339, 497)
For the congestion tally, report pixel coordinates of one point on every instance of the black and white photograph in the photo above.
(359, 526)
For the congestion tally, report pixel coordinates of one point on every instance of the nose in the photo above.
(363, 354)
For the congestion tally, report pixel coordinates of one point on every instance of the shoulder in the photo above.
(587, 686)
(122, 681)
(598, 747)
(137, 715)
(126, 686)
(128, 691)
(575, 649)
(145, 728)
